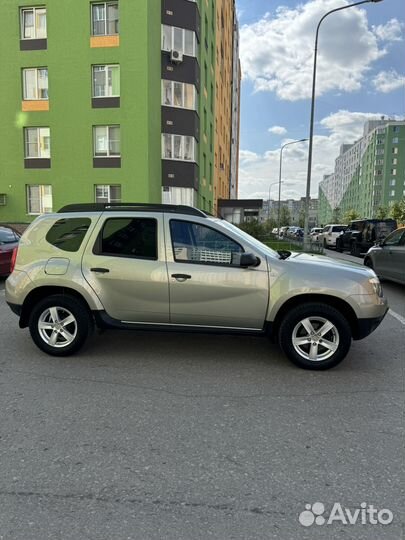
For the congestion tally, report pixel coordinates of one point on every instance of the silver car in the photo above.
(387, 258)
(173, 268)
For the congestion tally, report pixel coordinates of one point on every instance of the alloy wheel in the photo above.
(57, 326)
(315, 338)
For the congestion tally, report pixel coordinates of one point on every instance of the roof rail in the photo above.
(133, 207)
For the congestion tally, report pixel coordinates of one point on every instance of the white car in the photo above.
(330, 233)
(314, 234)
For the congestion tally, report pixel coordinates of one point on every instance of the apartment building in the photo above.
(121, 109)
(368, 175)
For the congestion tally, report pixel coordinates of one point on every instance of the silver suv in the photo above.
(164, 267)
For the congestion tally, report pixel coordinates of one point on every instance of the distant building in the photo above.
(238, 211)
(369, 173)
(296, 208)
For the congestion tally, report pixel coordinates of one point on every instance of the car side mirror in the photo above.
(244, 260)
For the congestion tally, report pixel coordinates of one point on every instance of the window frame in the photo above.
(105, 4)
(172, 136)
(98, 244)
(109, 186)
(204, 263)
(34, 9)
(108, 126)
(183, 89)
(105, 66)
(183, 41)
(27, 188)
(64, 220)
(38, 129)
(36, 70)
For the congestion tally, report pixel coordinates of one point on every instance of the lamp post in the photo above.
(268, 207)
(279, 179)
(311, 123)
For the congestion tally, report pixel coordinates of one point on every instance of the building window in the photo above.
(393, 172)
(395, 140)
(178, 147)
(395, 129)
(179, 39)
(105, 19)
(179, 94)
(395, 150)
(107, 141)
(37, 142)
(33, 23)
(392, 182)
(39, 199)
(106, 81)
(35, 83)
(108, 194)
(392, 193)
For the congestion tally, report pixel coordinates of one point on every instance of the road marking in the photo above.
(397, 316)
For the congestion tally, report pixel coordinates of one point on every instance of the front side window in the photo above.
(68, 234)
(39, 199)
(33, 23)
(129, 237)
(107, 141)
(105, 19)
(106, 81)
(178, 147)
(37, 142)
(394, 239)
(35, 83)
(179, 39)
(108, 194)
(195, 243)
(179, 94)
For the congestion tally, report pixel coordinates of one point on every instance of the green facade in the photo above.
(69, 59)
(379, 177)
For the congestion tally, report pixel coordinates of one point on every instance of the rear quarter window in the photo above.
(68, 234)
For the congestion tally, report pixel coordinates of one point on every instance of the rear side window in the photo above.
(128, 237)
(338, 229)
(68, 234)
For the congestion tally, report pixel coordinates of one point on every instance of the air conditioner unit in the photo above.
(3, 199)
(176, 56)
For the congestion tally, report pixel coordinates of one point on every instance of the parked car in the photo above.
(9, 239)
(283, 231)
(387, 258)
(291, 232)
(166, 267)
(330, 233)
(314, 233)
(361, 234)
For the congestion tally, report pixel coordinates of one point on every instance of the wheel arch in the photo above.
(341, 305)
(42, 292)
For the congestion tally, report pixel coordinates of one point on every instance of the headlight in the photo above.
(375, 283)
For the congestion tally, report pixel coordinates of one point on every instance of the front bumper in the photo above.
(15, 308)
(366, 326)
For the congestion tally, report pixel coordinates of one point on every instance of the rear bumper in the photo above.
(366, 326)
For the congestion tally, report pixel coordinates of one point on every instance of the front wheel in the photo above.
(339, 246)
(315, 336)
(60, 324)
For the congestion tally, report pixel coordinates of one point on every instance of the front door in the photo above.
(126, 268)
(206, 286)
(390, 259)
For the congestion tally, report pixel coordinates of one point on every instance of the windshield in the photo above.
(250, 239)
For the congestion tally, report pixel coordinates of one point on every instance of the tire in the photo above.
(50, 314)
(353, 249)
(338, 337)
(339, 247)
(325, 245)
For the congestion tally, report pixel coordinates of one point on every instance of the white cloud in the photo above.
(277, 130)
(258, 171)
(277, 51)
(388, 81)
(390, 31)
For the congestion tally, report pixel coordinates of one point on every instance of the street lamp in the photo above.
(279, 179)
(311, 124)
(268, 207)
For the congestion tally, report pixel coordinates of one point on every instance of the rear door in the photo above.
(390, 261)
(125, 264)
(206, 287)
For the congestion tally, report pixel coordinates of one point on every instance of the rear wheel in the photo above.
(315, 336)
(339, 245)
(60, 324)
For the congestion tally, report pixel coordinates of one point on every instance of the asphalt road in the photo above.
(157, 436)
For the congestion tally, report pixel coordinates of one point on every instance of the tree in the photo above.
(397, 211)
(301, 219)
(336, 215)
(351, 215)
(254, 228)
(382, 212)
(285, 216)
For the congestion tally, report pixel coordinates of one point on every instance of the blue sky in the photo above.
(361, 75)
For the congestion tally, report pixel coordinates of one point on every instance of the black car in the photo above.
(361, 235)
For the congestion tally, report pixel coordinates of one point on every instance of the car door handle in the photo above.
(181, 277)
(100, 270)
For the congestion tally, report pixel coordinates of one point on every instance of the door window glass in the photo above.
(129, 237)
(394, 239)
(68, 234)
(197, 243)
